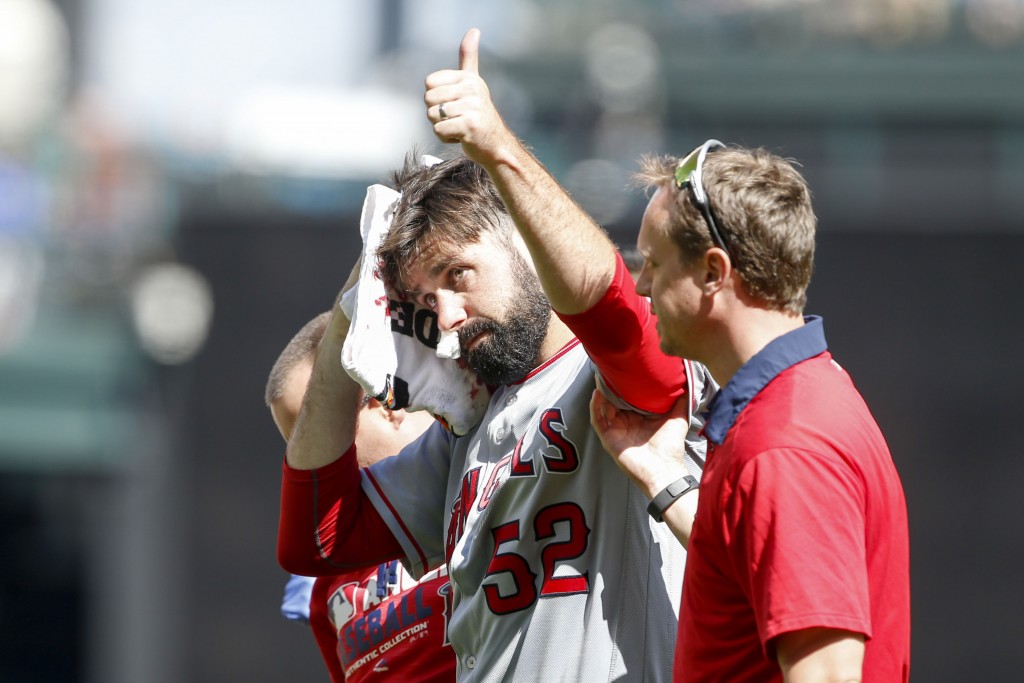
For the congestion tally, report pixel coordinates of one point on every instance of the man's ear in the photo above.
(717, 270)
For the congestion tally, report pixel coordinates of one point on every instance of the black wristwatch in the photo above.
(669, 495)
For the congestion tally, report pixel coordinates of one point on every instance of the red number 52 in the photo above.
(518, 566)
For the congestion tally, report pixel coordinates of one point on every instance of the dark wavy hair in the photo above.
(444, 206)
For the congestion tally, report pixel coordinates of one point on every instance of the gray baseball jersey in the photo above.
(557, 571)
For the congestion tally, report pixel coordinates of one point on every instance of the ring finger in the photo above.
(442, 111)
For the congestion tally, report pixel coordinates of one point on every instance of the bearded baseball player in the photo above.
(559, 571)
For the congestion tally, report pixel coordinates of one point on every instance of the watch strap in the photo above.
(669, 495)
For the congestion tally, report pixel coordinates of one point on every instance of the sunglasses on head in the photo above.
(688, 174)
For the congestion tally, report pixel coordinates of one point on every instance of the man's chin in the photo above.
(491, 373)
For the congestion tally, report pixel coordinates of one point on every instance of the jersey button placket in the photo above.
(505, 431)
(470, 662)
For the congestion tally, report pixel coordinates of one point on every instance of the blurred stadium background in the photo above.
(179, 190)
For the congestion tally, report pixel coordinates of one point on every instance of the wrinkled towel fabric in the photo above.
(396, 350)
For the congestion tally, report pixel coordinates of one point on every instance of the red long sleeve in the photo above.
(327, 524)
(620, 334)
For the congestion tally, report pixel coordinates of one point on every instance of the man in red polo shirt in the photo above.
(798, 555)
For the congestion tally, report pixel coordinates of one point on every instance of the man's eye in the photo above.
(457, 274)
(430, 300)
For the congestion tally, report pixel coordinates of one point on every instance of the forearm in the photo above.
(573, 256)
(575, 259)
(326, 425)
(652, 475)
(679, 517)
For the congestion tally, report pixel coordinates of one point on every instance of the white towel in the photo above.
(395, 349)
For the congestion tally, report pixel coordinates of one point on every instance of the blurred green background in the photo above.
(179, 192)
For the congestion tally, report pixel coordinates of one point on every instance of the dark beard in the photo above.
(512, 348)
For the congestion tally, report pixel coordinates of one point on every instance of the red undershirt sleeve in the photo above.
(620, 334)
(327, 524)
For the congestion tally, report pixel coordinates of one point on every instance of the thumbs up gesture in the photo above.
(459, 106)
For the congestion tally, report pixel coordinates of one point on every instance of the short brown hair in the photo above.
(447, 205)
(762, 206)
(302, 347)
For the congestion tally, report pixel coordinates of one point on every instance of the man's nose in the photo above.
(643, 282)
(451, 311)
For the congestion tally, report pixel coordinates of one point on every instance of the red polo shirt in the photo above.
(801, 523)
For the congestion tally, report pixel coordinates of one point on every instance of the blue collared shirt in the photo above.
(780, 354)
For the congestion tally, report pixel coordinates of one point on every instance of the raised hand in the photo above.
(459, 106)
